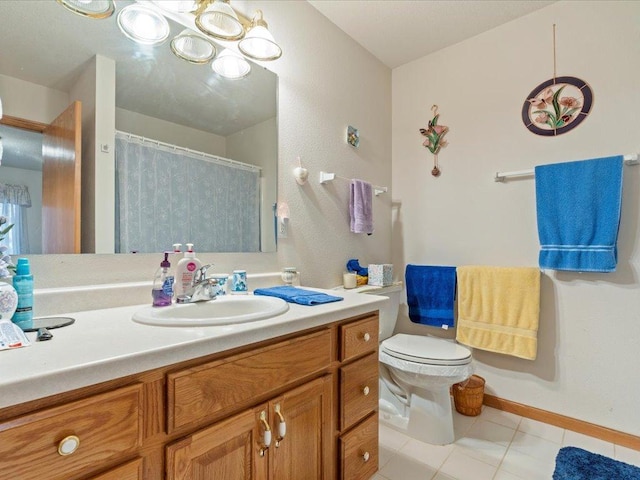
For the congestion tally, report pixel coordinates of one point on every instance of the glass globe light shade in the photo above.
(192, 47)
(143, 25)
(259, 44)
(220, 21)
(231, 65)
(98, 9)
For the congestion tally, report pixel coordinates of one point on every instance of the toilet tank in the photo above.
(389, 311)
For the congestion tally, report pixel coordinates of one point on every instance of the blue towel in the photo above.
(431, 292)
(297, 295)
(578, 208)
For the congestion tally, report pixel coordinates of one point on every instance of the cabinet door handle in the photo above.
(266, 437)
(365, 391)
(282, 425)
(366, 456)
(68, 445)
(366, 337)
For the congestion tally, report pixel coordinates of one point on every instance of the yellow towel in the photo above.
(499, 309)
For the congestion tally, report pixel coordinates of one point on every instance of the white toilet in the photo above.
(416, 373)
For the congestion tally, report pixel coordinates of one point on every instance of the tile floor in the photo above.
(495, 445)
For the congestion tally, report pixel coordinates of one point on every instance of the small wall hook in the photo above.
(300, 173)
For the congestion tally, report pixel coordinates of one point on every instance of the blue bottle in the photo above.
(23, 283)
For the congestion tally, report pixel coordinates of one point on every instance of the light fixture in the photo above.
(219, 20)
(192, 47)
(146, 23)
(258, 43)
(143, 25)
(177, 6)
(231, 65)
(90, 8)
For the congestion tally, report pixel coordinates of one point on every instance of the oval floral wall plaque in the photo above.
(557, 106)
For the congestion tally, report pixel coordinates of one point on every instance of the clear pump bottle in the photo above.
(162, 291)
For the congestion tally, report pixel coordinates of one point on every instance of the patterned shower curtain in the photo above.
(170, 195)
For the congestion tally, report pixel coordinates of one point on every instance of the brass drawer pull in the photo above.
(266, 439)
(282, 425)
(366, 337)
(366, 456)
(365, 391)
(68, 445)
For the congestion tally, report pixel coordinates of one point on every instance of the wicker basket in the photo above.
(468, 396)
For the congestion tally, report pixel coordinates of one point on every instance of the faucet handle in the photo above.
(201, 273)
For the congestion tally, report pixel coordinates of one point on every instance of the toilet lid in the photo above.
(429, 350)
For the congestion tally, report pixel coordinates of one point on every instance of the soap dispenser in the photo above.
(162, 291)
(186, 270)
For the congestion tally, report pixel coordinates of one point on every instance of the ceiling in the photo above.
(400, 31)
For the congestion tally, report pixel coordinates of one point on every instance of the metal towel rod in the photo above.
(502, 176)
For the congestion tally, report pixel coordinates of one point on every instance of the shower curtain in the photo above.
(14, 201)
(168, 195)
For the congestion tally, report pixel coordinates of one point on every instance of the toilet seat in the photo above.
(425, 350)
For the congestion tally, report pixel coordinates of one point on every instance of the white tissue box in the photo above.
(380, 275)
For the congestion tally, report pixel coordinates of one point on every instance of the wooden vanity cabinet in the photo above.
(241, 447)
(206, 418)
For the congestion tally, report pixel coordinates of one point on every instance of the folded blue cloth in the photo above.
(431, 292)
(297, 295)
(578, 208)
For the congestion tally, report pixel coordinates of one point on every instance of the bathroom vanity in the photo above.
(291, 397)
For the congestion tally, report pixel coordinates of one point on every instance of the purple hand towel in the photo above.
(360, 203)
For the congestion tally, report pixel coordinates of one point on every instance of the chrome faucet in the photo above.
(202, 288)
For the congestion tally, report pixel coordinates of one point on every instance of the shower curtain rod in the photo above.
(502, 176)
(203, 155)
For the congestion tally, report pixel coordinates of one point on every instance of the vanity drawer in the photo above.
(107, 426)
(207, 391)
(128, 471)
(359, 451)
(359, 337)
(358, 390)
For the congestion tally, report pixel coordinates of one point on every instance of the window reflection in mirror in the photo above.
(49, 60)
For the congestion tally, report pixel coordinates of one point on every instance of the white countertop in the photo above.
(106, 344)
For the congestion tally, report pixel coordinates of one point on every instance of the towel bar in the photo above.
(326, 177)
(502, 176)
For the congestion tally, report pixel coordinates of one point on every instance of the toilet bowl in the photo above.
(416, 373)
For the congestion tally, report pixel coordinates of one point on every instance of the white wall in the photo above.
(30, 101)
(256, 145)
(589, 323)
(169, 132)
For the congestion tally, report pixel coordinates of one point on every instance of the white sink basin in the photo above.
(224, 310)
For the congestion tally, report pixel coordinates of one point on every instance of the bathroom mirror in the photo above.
(46, 49)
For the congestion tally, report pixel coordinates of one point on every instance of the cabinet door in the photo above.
(227, 450)
(306, 450)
